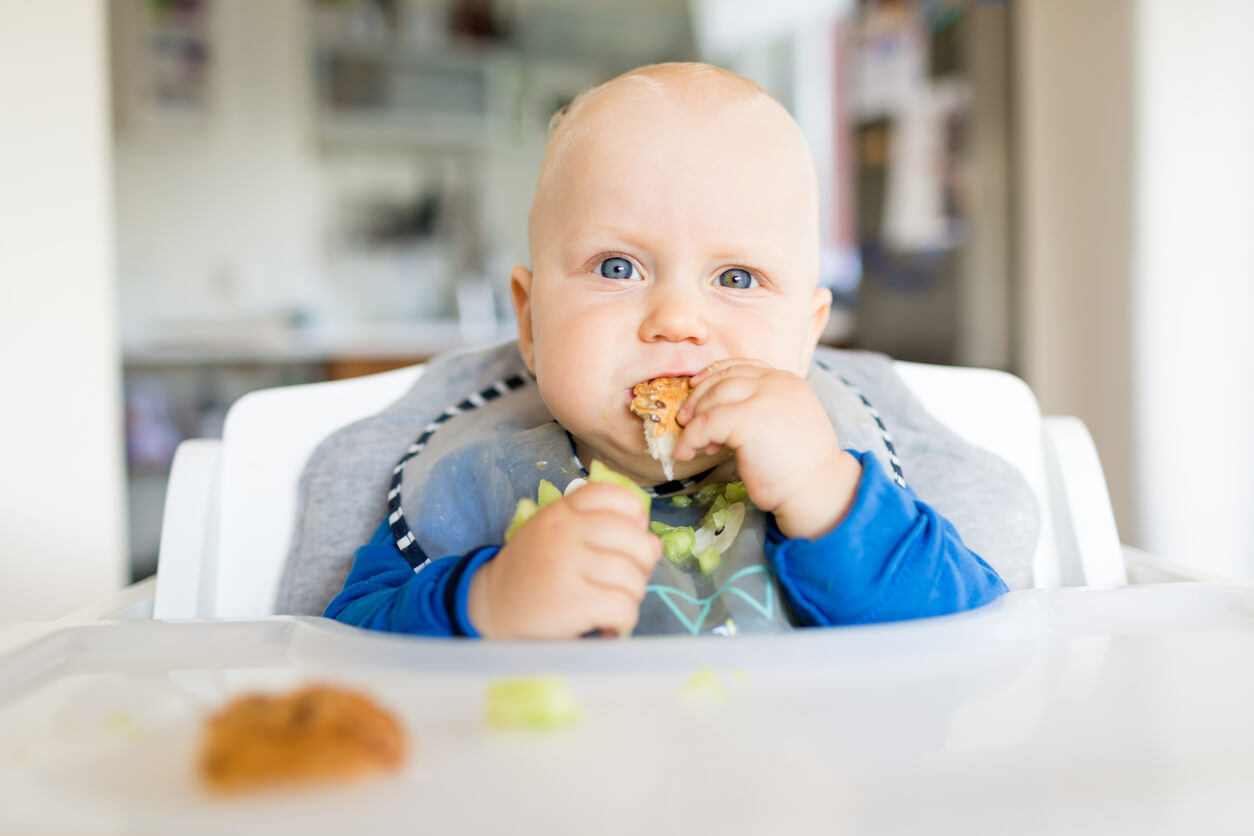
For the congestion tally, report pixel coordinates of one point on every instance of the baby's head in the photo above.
(675, 223)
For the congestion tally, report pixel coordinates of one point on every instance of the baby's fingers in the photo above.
(603, 532)
(716, 427)
(721, 392)
(615, 571)
(602, 497)
(612, 611)
(724, 367)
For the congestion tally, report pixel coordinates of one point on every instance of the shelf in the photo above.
(418, 338)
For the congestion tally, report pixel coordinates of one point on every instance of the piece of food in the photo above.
(681, 501)
(709, 492)
(523, 511)
(534, 702)
(716, 517)
(547, 494)
(600, 473)
(658, 401)
(731, 527)
(677, 540)
(708, 559)
(318, 733)
(703, 682)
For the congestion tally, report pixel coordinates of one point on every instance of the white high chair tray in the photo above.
(1126, 710)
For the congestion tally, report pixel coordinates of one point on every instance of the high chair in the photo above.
(231, 503)
(1120, 705)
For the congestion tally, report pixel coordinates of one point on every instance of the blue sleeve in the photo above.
(892, 558)
(383, 592)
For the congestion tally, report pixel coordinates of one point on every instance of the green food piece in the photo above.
(703, 683)
(709, 559)
(548, 493)
(681, 501)
(716, 517)
(708, 493)
(533, 702)
(600, 473)
(659, 528)
(735, 492)
(523, 511)
(677, 543)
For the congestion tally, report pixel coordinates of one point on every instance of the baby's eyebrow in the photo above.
(606, 233)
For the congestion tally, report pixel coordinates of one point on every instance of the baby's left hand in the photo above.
(786, 450)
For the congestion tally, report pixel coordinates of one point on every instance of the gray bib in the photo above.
(457, 486)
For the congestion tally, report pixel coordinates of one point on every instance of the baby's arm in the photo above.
(891, 558)
(579, 564)
(383, 592)
(847, 543)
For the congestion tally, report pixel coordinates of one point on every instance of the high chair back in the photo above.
(231, 504)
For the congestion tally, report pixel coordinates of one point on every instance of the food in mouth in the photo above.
(657, 402)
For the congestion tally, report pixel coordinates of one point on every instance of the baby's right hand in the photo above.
(580, 564)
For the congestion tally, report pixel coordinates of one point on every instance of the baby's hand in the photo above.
(786, 450)
(580, 564)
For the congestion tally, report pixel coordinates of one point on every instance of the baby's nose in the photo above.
(674, 314)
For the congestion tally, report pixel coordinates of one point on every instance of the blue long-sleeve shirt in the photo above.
(891, 558)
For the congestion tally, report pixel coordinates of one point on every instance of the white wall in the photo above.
(236, 218)
(1074, 93)
(1194, 299)
(221, 215)
(61, 520)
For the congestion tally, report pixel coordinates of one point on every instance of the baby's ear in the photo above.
(820, 309)
(520, 292)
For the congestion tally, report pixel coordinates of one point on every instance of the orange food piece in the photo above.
(318, 733)
(659, 401)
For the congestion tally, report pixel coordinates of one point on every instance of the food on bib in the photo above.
(658, 401)
(534, 702)
(724, 517)
(708, 559)
(677, 540)
(318, 733)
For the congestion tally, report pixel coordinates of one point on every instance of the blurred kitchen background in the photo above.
(312, 189)
(211, 196)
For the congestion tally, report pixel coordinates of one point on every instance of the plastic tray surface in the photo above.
(1126, 710)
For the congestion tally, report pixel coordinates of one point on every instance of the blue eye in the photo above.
(618, 268)
(737, 279)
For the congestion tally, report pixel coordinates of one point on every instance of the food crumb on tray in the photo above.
(533, 702)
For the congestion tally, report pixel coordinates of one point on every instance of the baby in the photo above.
(674, 233)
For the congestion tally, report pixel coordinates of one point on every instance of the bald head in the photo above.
(677, 107)
(675, 224)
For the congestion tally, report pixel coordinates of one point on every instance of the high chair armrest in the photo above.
(1144, 567)
(1089, 550)
(187, 529)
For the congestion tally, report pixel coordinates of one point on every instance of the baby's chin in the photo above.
(648, 471)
